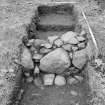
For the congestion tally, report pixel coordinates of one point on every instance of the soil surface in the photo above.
(52, 95)
(56, 19)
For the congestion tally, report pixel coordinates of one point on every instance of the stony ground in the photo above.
(14, 15)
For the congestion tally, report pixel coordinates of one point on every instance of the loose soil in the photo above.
(53, 95)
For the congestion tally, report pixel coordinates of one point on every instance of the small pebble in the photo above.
(37, 56)
(72, 81)
(67, 47)
(74, 93)
(80, 38)
(83, 33)
(73, 70)
(99, 62)
(11, 70)
(71, 55)
(60, 80)
(37, 61)
(38, 82)
(58, 42)
(27, 74)
(79, 78)
(2, 74)
(54, 47)
(29, 79)
(77, 104)
(73, 41)
(36, 70)
(47, 45)
(74, 48)
(2, 82)
(25, 40)
(45, 50)
(33, 49)
(38, 42)
(3, 70)
(81, 45)
(48, 79)
(30, 42)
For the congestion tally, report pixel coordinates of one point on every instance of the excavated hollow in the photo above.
(50, 25)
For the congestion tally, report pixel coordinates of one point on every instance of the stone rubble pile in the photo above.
(54, 60)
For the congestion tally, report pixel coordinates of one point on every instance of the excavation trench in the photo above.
(49, 21)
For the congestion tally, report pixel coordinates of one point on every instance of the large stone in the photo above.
(56, 61)
(60, 80)
(69, 37)
(48, 79)
(26, 59)
(79, 58)
(52, 38)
